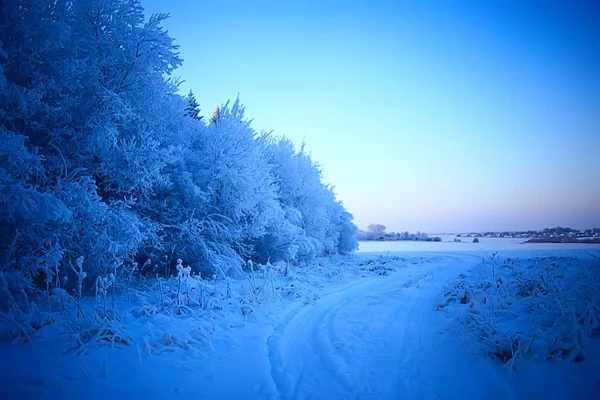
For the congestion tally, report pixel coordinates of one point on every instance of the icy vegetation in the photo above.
(541, 308)
(108, 176)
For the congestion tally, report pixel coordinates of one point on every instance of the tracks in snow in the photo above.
(379, 339)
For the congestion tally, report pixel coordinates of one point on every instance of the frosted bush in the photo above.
(540, 308)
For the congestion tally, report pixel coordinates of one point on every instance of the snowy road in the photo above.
(382, 339)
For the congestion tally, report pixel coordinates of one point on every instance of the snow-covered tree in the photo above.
(377, 228)
(101, 166)
(87, 111)
(225, 192)
(310, 206)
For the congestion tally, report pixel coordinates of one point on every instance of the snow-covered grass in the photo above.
(111, 317)
(541, 308)
(361, 326)
(185, 317)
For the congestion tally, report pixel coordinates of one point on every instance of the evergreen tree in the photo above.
(193, 108)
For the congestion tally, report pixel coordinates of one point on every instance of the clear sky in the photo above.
(425, 115)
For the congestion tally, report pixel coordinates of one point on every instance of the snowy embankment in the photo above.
(364, 326)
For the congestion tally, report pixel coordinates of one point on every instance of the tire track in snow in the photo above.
(304, 341)
(365, 341)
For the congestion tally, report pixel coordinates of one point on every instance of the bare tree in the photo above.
(376, 228)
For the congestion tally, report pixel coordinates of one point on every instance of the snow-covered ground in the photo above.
(366, 326)
(382, 339)
(466, 244)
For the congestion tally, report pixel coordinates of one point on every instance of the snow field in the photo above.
(365, 326)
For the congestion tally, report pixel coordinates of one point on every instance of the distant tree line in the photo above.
(378, 232)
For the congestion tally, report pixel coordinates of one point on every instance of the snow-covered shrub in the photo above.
(539, 308)
(261, 282)
(380, 265)
(30, 215)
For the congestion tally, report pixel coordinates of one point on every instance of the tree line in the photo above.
(106, 169)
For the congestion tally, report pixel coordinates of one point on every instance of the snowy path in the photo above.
(381, 339)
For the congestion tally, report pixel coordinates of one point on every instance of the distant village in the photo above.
(549, 235)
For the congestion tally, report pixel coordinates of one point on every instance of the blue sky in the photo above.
(432, 116)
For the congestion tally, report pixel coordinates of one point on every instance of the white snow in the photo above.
(466, 244)
(365, 326)
(381, 339)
